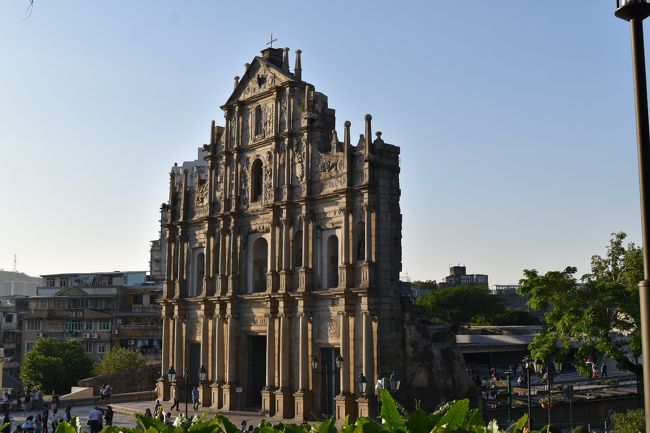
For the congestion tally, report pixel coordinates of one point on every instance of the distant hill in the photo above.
(6, 276)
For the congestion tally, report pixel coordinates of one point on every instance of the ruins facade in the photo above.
(282, 250)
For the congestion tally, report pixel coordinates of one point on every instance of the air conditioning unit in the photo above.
(86, 335)
(80, 313)
(118, 321)
(40, 334)
(116, 331)
(95, 335)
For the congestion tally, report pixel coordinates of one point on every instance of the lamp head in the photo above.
(632, 9)
(171, 374)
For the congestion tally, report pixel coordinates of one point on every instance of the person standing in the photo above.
(175, 399)
(603, 370)
(95, 420)
(46, 417)
(195, 397)
(108, 416)
(68, 416)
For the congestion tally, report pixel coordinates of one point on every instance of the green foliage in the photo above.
(550, 429)
(512, 317)
(55, 365)
(587, 312)
(453, 417)
(427, 285)
(119, 359)
(632, 421)
(463, 305)
(580, 429)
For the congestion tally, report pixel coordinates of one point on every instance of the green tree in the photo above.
(463, 305)
(428, 284)
(600, 313)
(632, 421)
(55, 365)
(119, 359)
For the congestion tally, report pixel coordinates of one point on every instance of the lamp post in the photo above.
(338, 363)
(528, 365)
(635, 11)
(362, 383)
(378, 387)
(187, 389)
(509, 374)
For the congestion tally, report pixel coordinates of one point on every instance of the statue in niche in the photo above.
(268, 120)
(361, 246)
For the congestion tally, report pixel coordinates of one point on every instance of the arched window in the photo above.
(297, 250)
(200, 273)
(256, 181)
(260, 264)
(360, 248)
(258, 121)
(332, 261)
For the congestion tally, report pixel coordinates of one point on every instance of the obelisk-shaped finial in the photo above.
(297, 70)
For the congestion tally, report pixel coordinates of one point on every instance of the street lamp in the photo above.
(171, 374)
(339, 362)
(635, 11)
(528, 365)
(362, 383)
(314, 363)
(187, 389)
(509, 374)
(203, 375)
(395, 381)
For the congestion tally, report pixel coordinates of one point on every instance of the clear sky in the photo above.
(515, 120)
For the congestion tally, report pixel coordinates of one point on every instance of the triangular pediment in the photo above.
(260, 76)
(72, 291)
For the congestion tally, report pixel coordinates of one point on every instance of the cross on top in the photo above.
(270, 43)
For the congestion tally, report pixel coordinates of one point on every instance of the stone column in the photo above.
(207, 266)
(368, 265)
(285, 273)
(233, 276)
(346, 272)
(303, 398)
(283, 397)
(268, 401)
(219, 362)
(163, 383)
(230, 388)
(205, 394)
(222, 285)
(272, 275)
(367, 348)
(304, 273)
(345, 406)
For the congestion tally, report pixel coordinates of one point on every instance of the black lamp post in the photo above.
(338, 363)
(171, 374)
(509, 374)
(362, 384)
(187, 389)
(635, 11)
(528, 365)
(203, 375)
(395, 381)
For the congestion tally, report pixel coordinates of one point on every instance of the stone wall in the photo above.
(131, 380)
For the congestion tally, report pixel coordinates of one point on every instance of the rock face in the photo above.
(435, 369)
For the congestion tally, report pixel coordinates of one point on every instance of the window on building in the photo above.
(258, 121)
(104, 325)
(88, 346)
(88, 325)
(9, 318)
(260, 264)
(137, 300)
(63, 282)
(102, 348)
(256, 180)
(33, 325)
(50, 282)
(29, 345)
(200, 272)
(74, 326)
(297, 250)
(332, 261)
(361, 242)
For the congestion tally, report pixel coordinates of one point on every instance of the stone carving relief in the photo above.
(283, 114)
(329, 328)
(329, 164)
(201, 197)
(268, 120)
(298, 161)
(219, 184)
(245, 127)
(261, 81)
(233, 130)
(243, 182)
(268, 178)
(334, 183)
(194, 330)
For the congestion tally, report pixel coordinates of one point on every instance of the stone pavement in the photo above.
(124, 413)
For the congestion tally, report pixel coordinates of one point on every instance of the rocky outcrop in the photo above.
(435, 369)
(131, 380)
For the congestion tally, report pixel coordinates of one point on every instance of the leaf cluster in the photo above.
(55, 365)
(600, 311)
(462, 305)
(632, 421)
(119, 359)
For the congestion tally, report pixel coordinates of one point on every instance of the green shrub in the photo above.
(632, 421)
(580, 429)
(550, 429)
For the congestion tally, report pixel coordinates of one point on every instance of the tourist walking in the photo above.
(603, 370)
(175, 399)
(46, 417)
(67, 416)
(108, 416)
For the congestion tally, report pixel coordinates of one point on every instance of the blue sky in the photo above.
(515, 121)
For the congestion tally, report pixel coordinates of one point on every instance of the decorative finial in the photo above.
(246, 66)
(285, 59)
(236, 80)
(346, 133)
(297, 70)
(368, 135)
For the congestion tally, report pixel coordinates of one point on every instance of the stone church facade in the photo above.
(281, 247)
